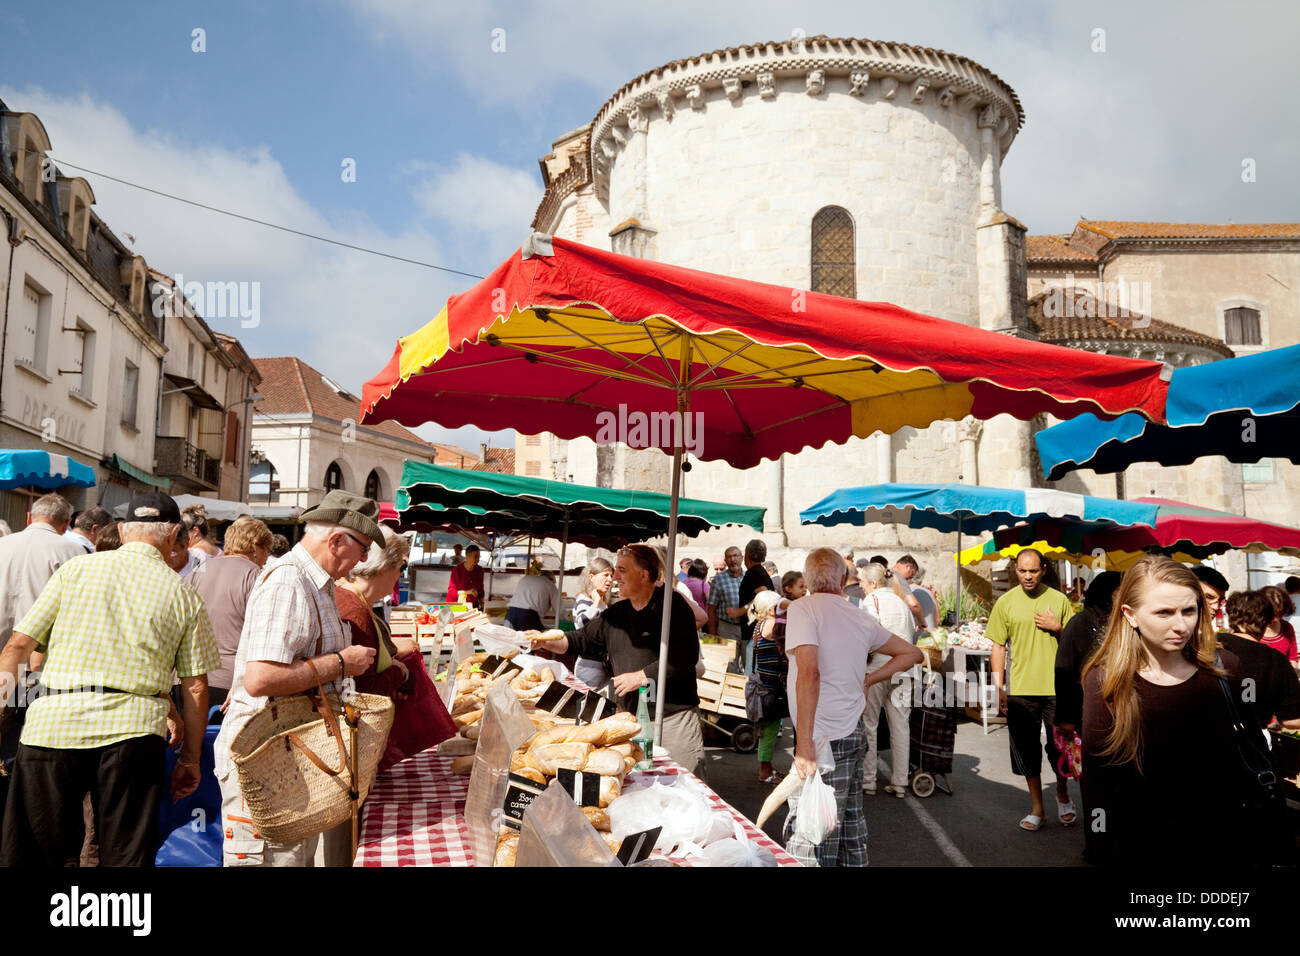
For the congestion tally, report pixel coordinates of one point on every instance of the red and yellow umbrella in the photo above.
(559, 334)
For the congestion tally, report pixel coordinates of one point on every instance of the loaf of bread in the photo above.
(456, 747)
(613, 844)
(586, 734)
(597, 817)
(463, 705)
(554, 756)
(507, 847)
(463, 765)
(628, 749)
(604, 762)
(555, 735)
(611, 788)
(472, 731)
(467, 719)
(534, 775)
(617, 729)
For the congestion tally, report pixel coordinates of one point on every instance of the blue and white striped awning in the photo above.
(29, 467)
(969, 508)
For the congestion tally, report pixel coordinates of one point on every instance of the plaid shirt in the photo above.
(120, 619)
(287, 611)
(724, 592)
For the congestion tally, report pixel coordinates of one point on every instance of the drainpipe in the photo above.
(9, 288)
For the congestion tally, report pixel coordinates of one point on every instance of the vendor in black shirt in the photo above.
(756, 579)
(628, 635)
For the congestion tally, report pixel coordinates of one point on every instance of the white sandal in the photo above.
(1031, 822)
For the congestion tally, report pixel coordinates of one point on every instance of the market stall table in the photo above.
(415, 815)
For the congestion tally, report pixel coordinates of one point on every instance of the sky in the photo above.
(1134, 110)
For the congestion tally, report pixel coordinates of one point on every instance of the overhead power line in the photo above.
(270, 225)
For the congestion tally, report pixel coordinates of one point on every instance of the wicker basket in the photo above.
(294, 772)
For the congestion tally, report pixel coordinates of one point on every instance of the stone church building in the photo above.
(873, 170)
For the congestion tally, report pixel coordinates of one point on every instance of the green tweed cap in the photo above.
(351, 511)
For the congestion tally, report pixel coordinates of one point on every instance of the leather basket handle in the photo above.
(332, 722)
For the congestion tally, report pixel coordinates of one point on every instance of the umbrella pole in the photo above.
(957, 619)
(564, 550)
(670, 579)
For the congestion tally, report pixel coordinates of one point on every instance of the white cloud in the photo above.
(338, 309)
(496, 202)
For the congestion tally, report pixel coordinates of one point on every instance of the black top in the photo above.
(1275, 691)
(630, 638)
(755, 578)
(1188, 786)
(1082, 635)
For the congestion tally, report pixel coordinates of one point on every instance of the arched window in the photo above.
(263, 484)
(333, 477)
(833, 259)
(372, 486)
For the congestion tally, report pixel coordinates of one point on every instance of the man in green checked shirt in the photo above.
(113, 626)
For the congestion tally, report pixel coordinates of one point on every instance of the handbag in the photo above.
(290, 790)
(763, 702)
(1263, 807)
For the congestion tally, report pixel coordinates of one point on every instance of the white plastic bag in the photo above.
(816, 814)
(497, 639)
(684, 815)
(737, 850)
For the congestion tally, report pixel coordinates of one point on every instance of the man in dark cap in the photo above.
(113, 626)
(292, 633)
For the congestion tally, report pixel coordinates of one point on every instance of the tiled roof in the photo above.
(1055, 249)
(1077, 321)
(1114, 229)
(292, 387)
(499, 461)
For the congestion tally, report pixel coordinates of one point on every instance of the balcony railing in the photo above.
(178, 459)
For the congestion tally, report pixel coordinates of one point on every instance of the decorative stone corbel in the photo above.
(815, 83)
(637, 121)
(731, 86)
(918, 89)
(989, 117)
(666, 106)
(695, 96)
(947, 97)
(767, 85)
(968, 102)
(888, 87)
(858, 81)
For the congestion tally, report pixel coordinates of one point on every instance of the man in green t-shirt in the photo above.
(1030, 619)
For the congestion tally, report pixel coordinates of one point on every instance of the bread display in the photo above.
(597, 817)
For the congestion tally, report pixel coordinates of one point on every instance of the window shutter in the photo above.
(232, 438)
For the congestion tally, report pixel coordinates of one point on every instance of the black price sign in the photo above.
(583, 787)
(495, 666)
(638, 846)
(520, 794)
(561, 701)
(594, 707)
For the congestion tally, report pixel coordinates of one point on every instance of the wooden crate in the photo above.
(722, 694)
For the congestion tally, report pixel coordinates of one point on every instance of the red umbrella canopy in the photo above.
(1197, 531)
(573, 340)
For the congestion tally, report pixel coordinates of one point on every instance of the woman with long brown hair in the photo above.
(1161, 771)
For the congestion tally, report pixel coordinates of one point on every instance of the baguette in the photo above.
(597, 817)
(471, 732)
(569, 756)
(604, 762)
(468, 719)
(611, 788)
(586, 734)
(463, 705)
(534, 775)
(555, 735)
(507, 847)
(456, 747)
(463, 765)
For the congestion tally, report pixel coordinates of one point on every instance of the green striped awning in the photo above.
(118, 463)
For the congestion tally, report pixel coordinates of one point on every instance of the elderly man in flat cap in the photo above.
(291, 620)
(113, 626)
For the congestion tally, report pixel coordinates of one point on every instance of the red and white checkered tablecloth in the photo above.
(415, 815)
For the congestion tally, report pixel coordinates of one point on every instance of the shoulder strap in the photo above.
(1253, 757)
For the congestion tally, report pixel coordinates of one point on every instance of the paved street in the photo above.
(976, 826)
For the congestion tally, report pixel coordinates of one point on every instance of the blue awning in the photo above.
(976, 507)
(1244, 409)
(30, 467)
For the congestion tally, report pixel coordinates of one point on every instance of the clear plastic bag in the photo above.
(816, 814)
(498, 639)
(685, 816)
(737, 850)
